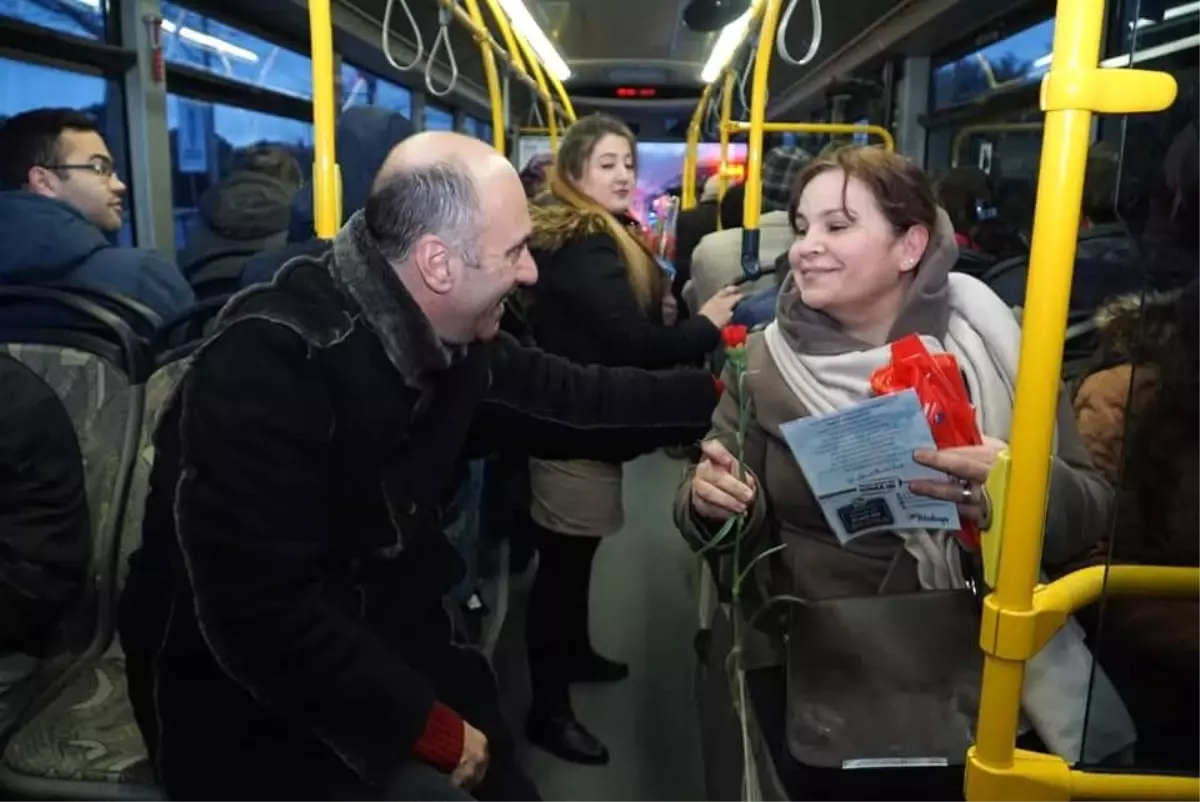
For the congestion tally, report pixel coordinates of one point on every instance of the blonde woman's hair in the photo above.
(642, 269)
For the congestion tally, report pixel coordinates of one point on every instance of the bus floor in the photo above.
(641, 613)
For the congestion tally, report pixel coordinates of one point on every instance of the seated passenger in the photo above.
(365, 134)
(44, 528)
(692, 226)
(966, 195)
(283, 618)
(60, 201)
(871, 264)
(1107, 255)
(533, 174)
(247, 210)
(1137, 416)
(598, 301)
(717, 261)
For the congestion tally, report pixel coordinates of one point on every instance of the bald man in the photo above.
(283, 620)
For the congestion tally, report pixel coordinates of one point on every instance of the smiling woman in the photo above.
(863, 219)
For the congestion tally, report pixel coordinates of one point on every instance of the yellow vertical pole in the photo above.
(1051, 264)
(726, 119)
(567, 105)
(754, 154)
(688, 188)
(506, 33)
(327, 213)
(539, 77)
(688, 194)
(493, 78)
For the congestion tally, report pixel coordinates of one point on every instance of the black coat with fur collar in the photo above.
(584, 307)
(282, 620)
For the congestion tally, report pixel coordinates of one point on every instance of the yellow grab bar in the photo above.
(726, 113)
(543, 89)
(327, 196)
(1072, 89)
(691, 152)
(754, 154)
(485, 39)
(495, 99)
(889, 141)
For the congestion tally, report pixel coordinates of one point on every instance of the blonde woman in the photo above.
(599, 299)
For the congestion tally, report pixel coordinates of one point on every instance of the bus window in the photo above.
(192, 39)
(1137, 405)
(69, 16)
(362, 88)
(438, 118)
(205, 141)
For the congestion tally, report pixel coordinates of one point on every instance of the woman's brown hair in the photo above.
(901, 188)
(576, 147)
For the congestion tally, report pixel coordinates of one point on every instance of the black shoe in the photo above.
(564, 737)
(593, 667)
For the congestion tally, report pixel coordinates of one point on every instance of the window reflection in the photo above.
(1019, 59)
(198, 41)
(77, 17)
(362, 88)
(25, 86)
(206, 142)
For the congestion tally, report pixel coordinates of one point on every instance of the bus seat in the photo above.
(192, 326)
(218, 273)
(75, 742)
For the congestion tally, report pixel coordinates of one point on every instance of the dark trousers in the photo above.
(557, 629)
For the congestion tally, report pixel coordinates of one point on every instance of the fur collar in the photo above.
(1131, 323)
(387, 308)
(556, 223)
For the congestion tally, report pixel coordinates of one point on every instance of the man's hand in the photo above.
(473, 764)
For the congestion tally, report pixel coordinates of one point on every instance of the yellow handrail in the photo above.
(506, 33)
(327, 196)
(754, 154)
(1071, 91)
(691, 152)
(495, 98)
(966, 131)
(889, 142)
(485, 39)
(726, 113)
(543, 89)
(563, 97)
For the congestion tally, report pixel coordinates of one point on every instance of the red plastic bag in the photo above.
(943, 395)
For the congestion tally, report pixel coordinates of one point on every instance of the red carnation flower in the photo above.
(734, 336)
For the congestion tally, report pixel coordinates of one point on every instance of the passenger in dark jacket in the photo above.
(247, 210)
(44, 524)
(598, 301)
(44, 530)
(692, 226)
(60, 199)
(365, 135)
(283, 618)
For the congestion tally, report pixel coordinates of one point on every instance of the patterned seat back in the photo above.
(101, 382)
(160, 389)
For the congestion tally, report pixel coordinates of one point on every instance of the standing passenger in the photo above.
(283, 619)
(598, 302)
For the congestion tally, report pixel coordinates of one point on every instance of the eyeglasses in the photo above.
(101, 167)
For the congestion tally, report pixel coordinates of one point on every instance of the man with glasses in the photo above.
(60, 200)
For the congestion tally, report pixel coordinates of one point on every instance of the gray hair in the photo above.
(438, 198)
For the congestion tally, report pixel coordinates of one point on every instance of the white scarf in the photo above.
(985, 339)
